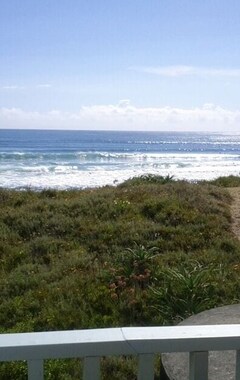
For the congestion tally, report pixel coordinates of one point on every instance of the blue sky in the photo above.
(126, 64)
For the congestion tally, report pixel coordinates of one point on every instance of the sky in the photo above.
(120, 65)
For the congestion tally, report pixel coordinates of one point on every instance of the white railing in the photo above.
(144, 342)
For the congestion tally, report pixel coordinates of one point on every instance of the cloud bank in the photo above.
(125, 116)
(17, 87)
(178, 71)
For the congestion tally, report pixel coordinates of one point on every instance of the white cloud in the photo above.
(124, 103)
(17, 87)
(125, 116)
(12, 87)
(177, 71)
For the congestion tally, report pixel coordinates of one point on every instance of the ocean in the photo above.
(40, 159)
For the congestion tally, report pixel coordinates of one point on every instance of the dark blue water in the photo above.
(103, 141)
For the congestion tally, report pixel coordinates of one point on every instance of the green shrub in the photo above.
(182, 292)
(228, 181)
(84, 259)
(147, 179)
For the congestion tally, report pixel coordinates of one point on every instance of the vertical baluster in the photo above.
(91, 370)
(35, 370)
(198, 366)
(237, 365)
(146, 367)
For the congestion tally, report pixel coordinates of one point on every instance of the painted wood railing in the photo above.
(143, 342)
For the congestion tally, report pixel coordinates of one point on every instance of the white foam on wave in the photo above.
(182, 166)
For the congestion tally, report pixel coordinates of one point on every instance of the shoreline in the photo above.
(37, 189)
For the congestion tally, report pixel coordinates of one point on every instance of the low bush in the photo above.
(152, 250)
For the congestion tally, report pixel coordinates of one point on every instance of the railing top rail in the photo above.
(117, 341)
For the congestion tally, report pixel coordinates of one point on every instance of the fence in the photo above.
(143, 342)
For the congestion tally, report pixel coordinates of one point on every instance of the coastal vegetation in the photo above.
(150, 251)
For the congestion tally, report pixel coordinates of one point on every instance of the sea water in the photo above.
(41, 159)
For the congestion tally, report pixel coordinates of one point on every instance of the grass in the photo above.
(150, 251)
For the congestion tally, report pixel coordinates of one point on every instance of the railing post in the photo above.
(35, 369)
(198, 365)
(145, 367)
(91, 369)
(237, 377)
